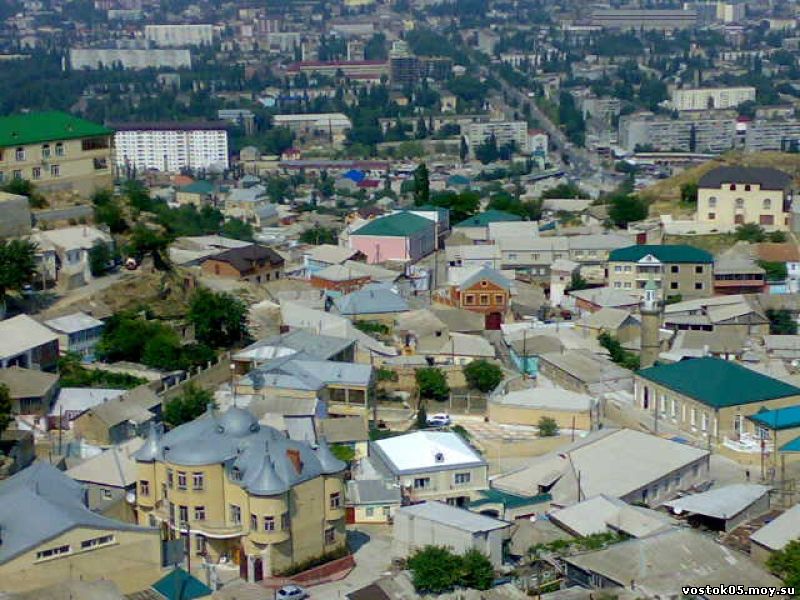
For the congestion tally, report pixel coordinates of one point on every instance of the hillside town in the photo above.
(396, 299)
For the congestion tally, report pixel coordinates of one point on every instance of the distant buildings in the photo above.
(403, 237)
(69, 248)
(370, 70)
(78, 333)
(644, 19)
(505, 133)
(255, 264)
(329, 125)
(171, 147)
(711, 98)
(179, 35)
(129, 58)
(55, 151)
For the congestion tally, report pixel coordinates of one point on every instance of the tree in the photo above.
(422, 417)
(689, 193)
(192, 403)
(577, 283)
(618, 354)
(23, 187)
(750, 232)
(476, 570)
(100, 258)
(463, 150)
(238, 230)
(483, 375)
(108, 211)
(146, 241)
(5, 408)
(434, 569)
(422, 186)
(319, 235)
(278, 139)
(775, 271)
(488, 152)
(777, 237)
(219, 319)
(781, 322)
(785, 563)
(547, 426)
(343, 452)
(17, 266)
(432, 383)
(627, 208)
(422, 129)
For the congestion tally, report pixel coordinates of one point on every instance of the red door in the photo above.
(350, 515)
(493, 321)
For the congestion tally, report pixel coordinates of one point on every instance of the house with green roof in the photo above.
(56, 151)
(401, 237)
(198, 193)
(476, 227)
(680, 271)
(712, 399)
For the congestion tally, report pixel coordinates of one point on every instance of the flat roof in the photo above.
(720, 503)
(458, 518)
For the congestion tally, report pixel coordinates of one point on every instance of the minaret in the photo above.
(650, 311)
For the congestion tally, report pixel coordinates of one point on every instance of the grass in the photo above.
(715, 243)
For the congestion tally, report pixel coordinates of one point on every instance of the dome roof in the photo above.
(237, 422)
(149, 451)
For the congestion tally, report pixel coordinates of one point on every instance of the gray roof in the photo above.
(298, 372)
(370, 300)
(27, 383)
(767, 178)
(545, 398)
(587, 367)
(458, 518)
(779, 532)
(720, 503)
(344, 430)
(73, 323)
(425, 451)
(605, 296)
(256, 457)
(372, 491)
(134, 405)
(602, 513)
(53, 504)
(312, 345)
(485, 273)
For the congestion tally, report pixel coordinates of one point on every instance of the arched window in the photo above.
(740, 203)
(767, 204)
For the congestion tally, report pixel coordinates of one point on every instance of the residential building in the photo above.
(476, 227)
(484, 291)
(16, 215)
(55, 151)
(731, 196)
(570, 410)
(184, 34)
(254, 264)
(595, 299)
(120, 419)
(606, 514)
(737, 272)
(402, 237)
(338, 279)
(244, 491)
(296, 341)
(775, 535)
(761, 135)
(787, 254)
(506, 133)
(711, 98)
(585, 373)
(733, 313)
(32, 392)
(78, 333)
(351, 432)
(525, 349)
(678, 271)
(171, 146)
(644, 19)
(129, 58)
(199, 193)
(49, 534)
(709, 397)
(437, 524)
(431, 465)
(320, 257)
(247, 203)
(70, 247)
(371, 501)
(27, 343)
(617, 322)
(72, 402)
(405, 69)
(369, 70)
(704, 133)
(331, 126)
(371, 303)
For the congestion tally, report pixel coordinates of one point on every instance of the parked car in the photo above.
(292, 592)
(438, 420)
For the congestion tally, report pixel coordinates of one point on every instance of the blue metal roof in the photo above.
(779, 418)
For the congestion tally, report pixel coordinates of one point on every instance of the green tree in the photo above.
(192, 403)
(476, 570)
(776, 271)
(278, 139)
(5, 408)
(785, 563)
(781, 322)
(483, 375)
(434, 569)
(463, 150)
(219, 319)
(163, 351)
(147, 241)
(432, 383)
(422, 129)
(689, 193)
(107, 211)
(422, 186)
(23, 187)
(488, 152)
(238, 230)
(547, 426)
(422, 417)
(777, 237)
(343, 452)
(750, 232)
(17, 266)
(627, 208)
(618, 354)
(100, 258)
(577, 283)
(318, 236)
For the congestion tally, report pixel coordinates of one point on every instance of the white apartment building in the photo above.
(129, 58)
(711, 98)
(504, 132)
(171, 147)
(167, 36)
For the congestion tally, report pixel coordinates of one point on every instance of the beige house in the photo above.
(731, 196)
(243, 491)
(526, 407)
(56, 151)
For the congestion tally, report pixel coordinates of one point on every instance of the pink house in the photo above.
(402, 236)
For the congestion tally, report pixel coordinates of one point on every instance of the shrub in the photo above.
(432, 383)
(483, 375)
(547, 427)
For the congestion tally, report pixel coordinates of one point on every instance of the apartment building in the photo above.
(505, 132)
(352, 69)
(129, 58)
(664, 134)
(644, 19)
(779, 135)
(56, 151)
(331, 126)
(678, 271)
(711, 98)
(166, 36)
(244, 491)
(171, 147)
(731, 196)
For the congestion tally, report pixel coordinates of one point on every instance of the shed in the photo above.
(724, 508)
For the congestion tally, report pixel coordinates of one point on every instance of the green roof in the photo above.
(665, 254)
(490, 216)
(33, 128)
(718, 383)
(493, 496)
(180, 585)
(396, 225)
(781, 418)
(197, 187)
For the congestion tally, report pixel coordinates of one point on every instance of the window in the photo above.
(628, 268)
(675, 268)
(766, 220)
(181, 480)
(617, 284)
(627, 284)
(673, 285)
(285, 521)
(704, 422)
(694, 417)
(336, 500)
(498, 298)
(94, 144)
(712, 216)
(200, 544)
(662, 404)
(740, 203)
(17, 174)
(484, 299)
(103, 540)
(59, 149)
(698, 269)
(712, 202)
(236, 514)
(462, 478)
(36, 172)
(183, 513)
(199, 513)
(106, 494)
(52, 552)
(144, 487)
(673, 409)
(469, 299)
(19, 155)
(618, 269)
(170, 480)
(100, 164)
(746, 187)
(386, 511)
(46, 151)
(698, 285)
(330, 535)
(733, 187)
(253, 522)
(197, 481)
(2, 176)
(767, 204)
(55, 171)
(269, 523)
(370, 511)
(421, 483)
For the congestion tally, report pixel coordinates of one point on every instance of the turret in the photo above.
(650, 311)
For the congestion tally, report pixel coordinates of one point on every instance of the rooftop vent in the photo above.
(438, 457)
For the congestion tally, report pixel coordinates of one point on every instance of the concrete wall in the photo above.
(16, 213)
(518, 415)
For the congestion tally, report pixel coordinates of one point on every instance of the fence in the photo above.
(210, 376)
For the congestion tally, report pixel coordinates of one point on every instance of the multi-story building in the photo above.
(731, 196)
(331, 126)
(404, 67)
(711, 98)
(244, 491)
(505, 132)
(644, 19)
(171, 147)
(663, 134)
(778, 135)
(180, 35)
(353, 69)
(129, 58)
(484, 291)
(55, 151)
(678, 271)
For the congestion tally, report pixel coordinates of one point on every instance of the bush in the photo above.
(483, 375)
(343, 452)
(192, 403)
(547, 427)
(432, 383)
(436, 569)
(750, 232)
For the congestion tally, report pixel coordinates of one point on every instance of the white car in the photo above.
(292, 592)
(438, 420)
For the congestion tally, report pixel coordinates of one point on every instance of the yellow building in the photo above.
(243, 491)
(56, 151)
(732, 196)
(48, 535)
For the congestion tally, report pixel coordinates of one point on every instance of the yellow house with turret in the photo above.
(243, 491)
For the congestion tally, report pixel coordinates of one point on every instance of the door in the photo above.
(258, 569)
(240, 558)
(493, 321)
(350, 515)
